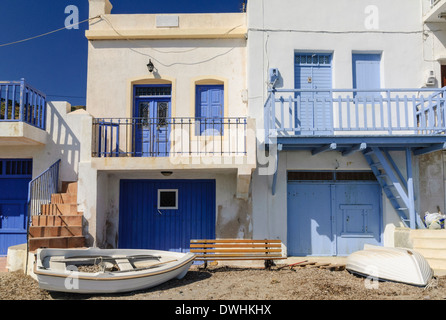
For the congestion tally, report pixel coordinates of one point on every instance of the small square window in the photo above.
(167, 198)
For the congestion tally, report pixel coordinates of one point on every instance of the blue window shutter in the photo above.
(366, 72)
(210, 108)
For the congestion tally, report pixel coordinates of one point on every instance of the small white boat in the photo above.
(94, 270)
(391, 264)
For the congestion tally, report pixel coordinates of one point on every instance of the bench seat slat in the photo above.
(208, 258)
(234, 250)
(234, 241)
(242, 245)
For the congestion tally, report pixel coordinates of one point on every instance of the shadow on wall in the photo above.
(64, 129)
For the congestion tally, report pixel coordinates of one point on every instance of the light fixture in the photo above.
(150, 66)
(442, 15)
(166, 173)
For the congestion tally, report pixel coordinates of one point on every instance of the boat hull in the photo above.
(390, 264)
(172, 265)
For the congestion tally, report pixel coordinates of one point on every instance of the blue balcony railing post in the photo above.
(22, 99)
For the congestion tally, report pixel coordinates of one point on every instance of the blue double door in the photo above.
(152, 126)
(332, 218)
(145, 224)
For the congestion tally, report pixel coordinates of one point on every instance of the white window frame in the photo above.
(159, 199)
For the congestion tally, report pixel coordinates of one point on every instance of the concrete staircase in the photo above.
(60, 224)
(432, 245)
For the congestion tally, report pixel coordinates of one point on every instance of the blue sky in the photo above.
(57, 64)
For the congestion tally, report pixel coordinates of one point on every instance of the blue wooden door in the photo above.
(314, 114)
(13, 212)
(332, 218)
(357, 215)
(143, 224)
(309, 229)
(209, 108)
(366, 74)
(152, 127)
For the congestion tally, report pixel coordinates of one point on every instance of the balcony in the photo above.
(22, 114)
(350, 119)
(225, 145)
(437, 11)
(228, 142)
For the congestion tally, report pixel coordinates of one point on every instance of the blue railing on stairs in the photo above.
(41, 188)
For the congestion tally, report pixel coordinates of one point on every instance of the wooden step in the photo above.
(59, 209)
(54, 231)
(57, 220)
(66, 198)
(56, 242)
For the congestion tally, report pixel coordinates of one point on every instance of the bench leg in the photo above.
(269, 264)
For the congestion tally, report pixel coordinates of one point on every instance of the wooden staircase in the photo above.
(60, 224)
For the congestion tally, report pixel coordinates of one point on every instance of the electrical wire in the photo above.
(47, 33)
(165, 52)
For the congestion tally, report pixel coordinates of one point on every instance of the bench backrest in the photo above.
(236, 249)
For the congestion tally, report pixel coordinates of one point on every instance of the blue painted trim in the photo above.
(393, 142)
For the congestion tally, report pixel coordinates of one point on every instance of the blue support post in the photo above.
(410, 190)
(273, 187)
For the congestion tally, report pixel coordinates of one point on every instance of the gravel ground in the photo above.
(231, 283)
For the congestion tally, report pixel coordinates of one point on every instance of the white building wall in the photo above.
(279, 28)
(63, 130)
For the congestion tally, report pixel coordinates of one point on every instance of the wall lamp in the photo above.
(150, 66)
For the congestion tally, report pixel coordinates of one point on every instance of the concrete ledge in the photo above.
(20, 133)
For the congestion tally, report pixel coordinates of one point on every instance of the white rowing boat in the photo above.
(392, 264)
(94, 270)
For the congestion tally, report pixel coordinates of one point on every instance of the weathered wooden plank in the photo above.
(240, 245)
(234, 250)
(234, 241)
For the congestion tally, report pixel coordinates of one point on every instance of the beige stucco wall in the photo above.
(201, 49)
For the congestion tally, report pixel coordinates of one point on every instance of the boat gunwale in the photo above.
(93, 278)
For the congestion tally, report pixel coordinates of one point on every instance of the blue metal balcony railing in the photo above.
(20, 102)
(164, 137)
(355, 112)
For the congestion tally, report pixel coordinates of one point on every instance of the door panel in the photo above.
(314, 109)
(309, 226)
(152, 127)
(332, 218)
(358, 208)
(142, 225)
(13, 212)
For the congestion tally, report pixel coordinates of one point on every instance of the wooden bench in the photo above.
(237, 249)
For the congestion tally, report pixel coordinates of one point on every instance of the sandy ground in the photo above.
(232, 283)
